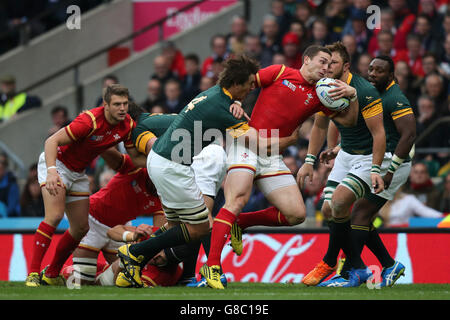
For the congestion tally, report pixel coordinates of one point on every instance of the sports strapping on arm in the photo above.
(376, 128)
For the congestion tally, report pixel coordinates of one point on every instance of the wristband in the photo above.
(52, 167)
(124, 236)
(310, 159)
(353, 98)
(376, 169)
(395, 163)
(238, 103)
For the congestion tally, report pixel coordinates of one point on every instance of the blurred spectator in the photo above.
(9, 190)
(445, 57)
(396, 213)
(304, 13)
(236, 38)
(291, 50)
(319, 32)
(216, 68)
(409, 84)
(429, 64)
(12, 102)
(162, 70)
(444, 205)
(206, 83)
(429, 8)
(154, 94)
(279, 58)
(434, 88)
(421, 186)
(107, 81)
(414, 54)
(403, 16)
(282, 16)
(270, 40)
(358, 29)
(32, 171)
(60, 119)
(174, 100)
(175, 59)
(336, 13)
(299, 29)
(427, 115)
(385, 41)
(219, 50)
(31, 201)
(362, 67)
(430, 42)
(158, 109)
(253, 48)
(350, 44)
(191, 81)
(387, 23)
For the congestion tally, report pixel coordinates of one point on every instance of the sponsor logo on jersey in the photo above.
(369, 97)
(244, 155)
(289, 85)
(96, 138)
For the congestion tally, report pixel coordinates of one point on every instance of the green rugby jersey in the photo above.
(150, 125)
(186, 137)
(395, 105)
(358, 139)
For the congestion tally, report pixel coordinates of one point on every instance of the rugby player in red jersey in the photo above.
(287, 98)
(65, 185)
(129, 194)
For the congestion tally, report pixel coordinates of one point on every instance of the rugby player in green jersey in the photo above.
(203, 120)
(400, 126)
(356, 168)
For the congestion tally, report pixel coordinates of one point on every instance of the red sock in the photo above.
(66, 245)
(219, 235)
(267, 217)
(42, 239)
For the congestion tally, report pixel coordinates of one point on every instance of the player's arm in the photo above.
(139, 159)
(113, 158)
(376, 128)
(122, 233)
(318, 135)
(406, 127)
(59, 138)
(349, 116)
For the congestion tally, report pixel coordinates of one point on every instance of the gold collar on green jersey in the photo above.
(227, 93)
(390, 85)
(349, 78)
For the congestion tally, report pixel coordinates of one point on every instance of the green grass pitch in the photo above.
(235, 291)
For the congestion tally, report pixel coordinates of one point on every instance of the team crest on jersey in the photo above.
(289, 85)
(116, 136)
(96, 138)
(310, 96)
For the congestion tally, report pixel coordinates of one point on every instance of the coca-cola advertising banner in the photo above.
(149, 11)
(276, 257)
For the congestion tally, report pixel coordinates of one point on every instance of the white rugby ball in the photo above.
(322, 88)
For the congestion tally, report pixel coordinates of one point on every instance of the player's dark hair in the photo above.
(115, 89)
(237, 70)
(389, 61)
(135, 111)
(339, 47)
(313, 50)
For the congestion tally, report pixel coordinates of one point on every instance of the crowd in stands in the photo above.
(416, 34)
(20, 17)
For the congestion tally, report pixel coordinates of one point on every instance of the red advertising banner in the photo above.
(148, 11)
(275, 258)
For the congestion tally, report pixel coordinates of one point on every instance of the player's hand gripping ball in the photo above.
(323, 86)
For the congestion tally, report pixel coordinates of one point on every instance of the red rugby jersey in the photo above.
(168, 276)
(286, 100)
(125, 197)
(91, 135)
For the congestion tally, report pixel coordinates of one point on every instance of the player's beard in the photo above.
(339, 74)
